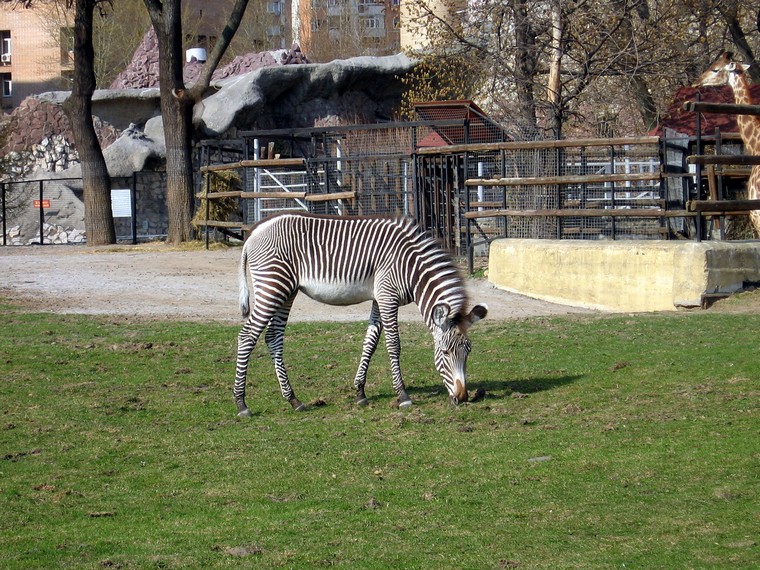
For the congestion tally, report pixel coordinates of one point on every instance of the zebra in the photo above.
(344, 261)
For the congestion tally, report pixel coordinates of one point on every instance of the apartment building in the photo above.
(330, 29)
(35, 51)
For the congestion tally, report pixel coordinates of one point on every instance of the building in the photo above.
(35, 51)
(338, 29)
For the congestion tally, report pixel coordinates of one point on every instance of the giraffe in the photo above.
(725, 71)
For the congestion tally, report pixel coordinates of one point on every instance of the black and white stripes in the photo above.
(343, 261)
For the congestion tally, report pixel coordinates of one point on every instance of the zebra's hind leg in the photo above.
(369, 345)
(247, 339)
(274, 338)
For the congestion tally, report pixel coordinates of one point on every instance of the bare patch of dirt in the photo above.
(191, 283)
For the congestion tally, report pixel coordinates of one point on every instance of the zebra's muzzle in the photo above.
(460, 395)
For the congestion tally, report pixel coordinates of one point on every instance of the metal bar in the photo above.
(735, 160)
(527, 145)
(133, 207)
(551, 180)
(5, 214)
(42, 211)
(552, 212)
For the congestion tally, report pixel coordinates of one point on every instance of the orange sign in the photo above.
(42, 203)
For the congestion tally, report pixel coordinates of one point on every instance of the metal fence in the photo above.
(464, 183)
(51, 211)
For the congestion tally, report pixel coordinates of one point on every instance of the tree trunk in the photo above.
(554, 86)
(96, 183)
(177, 106)
(525, 66)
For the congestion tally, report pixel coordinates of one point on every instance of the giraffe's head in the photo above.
(719, 71)
(452, 347)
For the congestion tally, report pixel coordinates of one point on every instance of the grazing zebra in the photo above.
(344, 261)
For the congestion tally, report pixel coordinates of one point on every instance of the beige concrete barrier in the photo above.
(623, 276)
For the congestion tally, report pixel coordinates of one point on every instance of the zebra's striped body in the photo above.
(344, 261)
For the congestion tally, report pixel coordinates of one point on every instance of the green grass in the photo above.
(614, 442)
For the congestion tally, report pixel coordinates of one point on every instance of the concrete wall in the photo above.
(623, 275)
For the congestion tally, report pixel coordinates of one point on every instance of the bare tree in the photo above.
(78, 106)
(554, 64)
(177, 102)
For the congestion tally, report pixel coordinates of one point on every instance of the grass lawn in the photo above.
(601, 442)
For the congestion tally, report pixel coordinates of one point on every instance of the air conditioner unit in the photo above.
(5, 58)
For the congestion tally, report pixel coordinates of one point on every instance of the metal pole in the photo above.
(133, 207)
(42, 212)
(5, 221)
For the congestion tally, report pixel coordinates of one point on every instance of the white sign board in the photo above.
(121, 203)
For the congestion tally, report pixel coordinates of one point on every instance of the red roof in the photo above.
(482, 128)
(685, 122)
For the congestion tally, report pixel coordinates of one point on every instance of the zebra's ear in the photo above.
(477, 313)
(440, 315)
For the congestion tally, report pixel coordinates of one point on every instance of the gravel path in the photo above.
(156, 281)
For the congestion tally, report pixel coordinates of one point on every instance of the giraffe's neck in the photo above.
(749, 126)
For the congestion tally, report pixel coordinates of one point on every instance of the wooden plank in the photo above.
(220, 167)
(563, 180)
(220, 224)
(273, 163)
(261, 163)
(331, 196)
(268, 195)
(712, 206)
(584, 213)
(214, 195)
(538, 145)
(740, 160)
(727, 108)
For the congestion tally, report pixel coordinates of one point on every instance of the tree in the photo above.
(558, 65)
(96, 183)
(177, 102)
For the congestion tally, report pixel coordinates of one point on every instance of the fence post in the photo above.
(5, 224)
(133, 206)
(42, 212)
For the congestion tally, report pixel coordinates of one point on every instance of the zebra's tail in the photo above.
(245, 306)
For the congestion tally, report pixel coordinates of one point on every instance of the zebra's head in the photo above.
(452, 347)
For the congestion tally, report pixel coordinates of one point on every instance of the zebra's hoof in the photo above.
(246, 413)
(362, 402)
(404, 404)
(297, 405)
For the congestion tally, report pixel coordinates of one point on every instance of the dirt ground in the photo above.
(197, 284)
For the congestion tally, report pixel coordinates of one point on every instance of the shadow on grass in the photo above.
(526, 386)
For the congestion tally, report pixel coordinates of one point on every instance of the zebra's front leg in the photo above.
(369, 345)
(274, 338)
(393, 344)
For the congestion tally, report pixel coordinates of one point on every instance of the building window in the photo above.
(396, 23)
(373, 23)
(7, 84)
(5, 47)
(274, 8)
(274, 31)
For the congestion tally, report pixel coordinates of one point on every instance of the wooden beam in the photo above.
(220, 224)
(550, 180)
(331, 196)
(537, 145)
(261, 163)
(722, 205)
(214, 195)
(740, 160)
(268, 195)
(582, 213)
(726, 108)
(273, 162)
